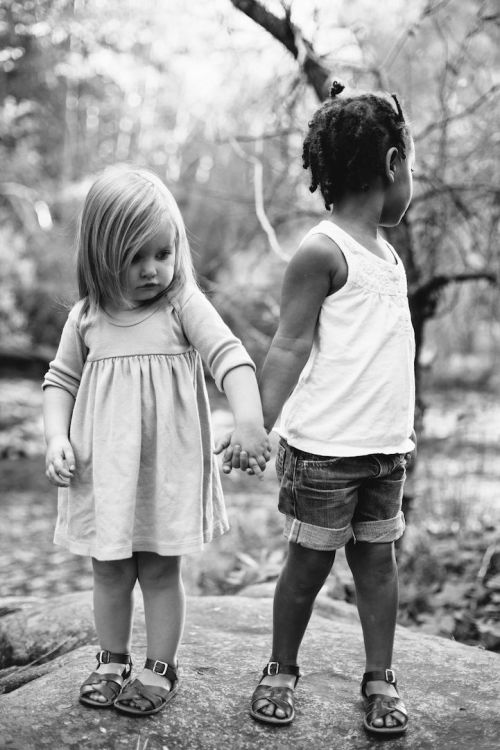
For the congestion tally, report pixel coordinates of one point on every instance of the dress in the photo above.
(356, 394)
(146, 478)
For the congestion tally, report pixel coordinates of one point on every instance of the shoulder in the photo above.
(76, 311)
(319, 257)
(188, 294)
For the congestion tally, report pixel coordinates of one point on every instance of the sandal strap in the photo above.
(275, 667)
(163, 669)
(106, 657)
(280, 697)
(379, 706)
(385, 675)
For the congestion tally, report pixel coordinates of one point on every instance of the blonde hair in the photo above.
(124, 209)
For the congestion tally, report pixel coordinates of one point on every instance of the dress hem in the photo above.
(121, 553)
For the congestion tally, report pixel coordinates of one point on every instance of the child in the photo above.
(340, 371)
(127, 425)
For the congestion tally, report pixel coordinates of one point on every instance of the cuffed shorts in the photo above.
(329, 500)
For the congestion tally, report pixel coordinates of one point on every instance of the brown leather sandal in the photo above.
(157, 696)
(279, 697)
(378, 705)
(114, 683)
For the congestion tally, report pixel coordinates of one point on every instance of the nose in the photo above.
(148, 269)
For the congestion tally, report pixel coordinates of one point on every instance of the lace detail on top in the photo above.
(377, 276)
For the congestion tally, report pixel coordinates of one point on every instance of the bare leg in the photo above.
(376, 579)
(301, 579)
(164, 607)
(114, 582)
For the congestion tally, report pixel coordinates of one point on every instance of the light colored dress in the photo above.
(146, 478)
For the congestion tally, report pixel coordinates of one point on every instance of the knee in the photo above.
(158, 571)
(115, 574)
(373, 562)
(309, 569)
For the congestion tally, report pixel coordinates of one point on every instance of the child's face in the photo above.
(152, 268)
(399, 193)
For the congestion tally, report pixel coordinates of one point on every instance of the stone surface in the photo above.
(452, 691)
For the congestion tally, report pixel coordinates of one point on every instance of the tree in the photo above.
(453, 213)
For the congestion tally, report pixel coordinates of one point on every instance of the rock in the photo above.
(449, 688)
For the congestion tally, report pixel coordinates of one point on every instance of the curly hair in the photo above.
(348, 139)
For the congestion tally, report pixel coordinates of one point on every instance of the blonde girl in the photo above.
(127, 426)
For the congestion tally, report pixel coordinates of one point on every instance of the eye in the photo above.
(135, 259)
(163, 254)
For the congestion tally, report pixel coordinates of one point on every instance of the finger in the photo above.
(227, 468)
(55, 479)
(222, 443)
(235, 458)
(228, 455)
(70, 457)
(243, 460)
(254, 468)
(262, 462)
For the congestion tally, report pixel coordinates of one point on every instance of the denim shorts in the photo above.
(329, 500)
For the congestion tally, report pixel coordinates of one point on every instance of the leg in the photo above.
(301, 579)
(114, 582)
(164, 606)
(375, 573)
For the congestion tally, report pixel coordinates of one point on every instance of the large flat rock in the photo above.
(451, 690)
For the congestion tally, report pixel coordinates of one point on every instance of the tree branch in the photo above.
(431, 287)
(289, 35)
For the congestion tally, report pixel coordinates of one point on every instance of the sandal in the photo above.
(379, 705)
(157, 696)
(114, 682)
(279, 697)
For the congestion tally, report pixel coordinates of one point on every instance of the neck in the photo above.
(359, 213)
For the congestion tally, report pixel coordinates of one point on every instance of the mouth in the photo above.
(148, 286)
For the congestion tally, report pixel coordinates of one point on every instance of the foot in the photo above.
(390, 720)
(267, 708)
(385, 712)
(111, 668)
(150, 679)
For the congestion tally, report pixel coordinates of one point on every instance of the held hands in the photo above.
(246, 448)
(59, 461)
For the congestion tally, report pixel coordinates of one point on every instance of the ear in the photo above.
(390, 163)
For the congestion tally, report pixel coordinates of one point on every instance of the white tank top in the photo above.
(356, 394)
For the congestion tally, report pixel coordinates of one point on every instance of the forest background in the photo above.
(215, 97)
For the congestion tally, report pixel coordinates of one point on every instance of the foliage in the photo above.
(218, 108)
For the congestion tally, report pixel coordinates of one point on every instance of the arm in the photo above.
(234, 374)
(316, 270)
(59, 457)
(60, 387)
(248, 444)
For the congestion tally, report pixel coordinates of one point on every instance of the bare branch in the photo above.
(431, 287)
(291, 37)
(471, 109)
(258, 186)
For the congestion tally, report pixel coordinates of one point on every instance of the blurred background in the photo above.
(215, 97)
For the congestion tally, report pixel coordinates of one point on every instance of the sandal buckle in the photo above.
(104, 657)
(390, 676)
(273, 668)
(160, 667)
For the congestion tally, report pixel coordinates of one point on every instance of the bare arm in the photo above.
(240, 387)
(59, 460)
(316, 270)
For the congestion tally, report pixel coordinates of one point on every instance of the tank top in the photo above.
(356, 393)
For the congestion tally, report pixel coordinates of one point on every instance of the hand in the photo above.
(246, 448)
(411, 456)
(59, 461)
